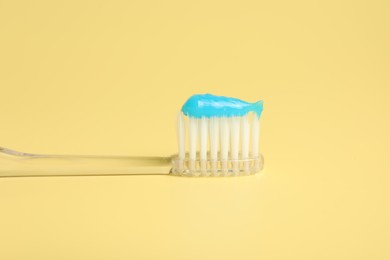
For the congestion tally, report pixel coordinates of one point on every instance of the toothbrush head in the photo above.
(218, 136)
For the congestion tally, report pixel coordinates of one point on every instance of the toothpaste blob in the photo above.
(208, 105)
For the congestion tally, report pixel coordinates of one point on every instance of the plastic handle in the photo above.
(14, 163)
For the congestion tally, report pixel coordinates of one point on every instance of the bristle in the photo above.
(203, 144)
(234, 141)
(245, 137)
(224, 128)
(255, 141)
(181, 140)
(181, 135)
(255, 136)
(214, 141)
(192, 135)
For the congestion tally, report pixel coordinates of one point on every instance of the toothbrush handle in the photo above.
(14, 163)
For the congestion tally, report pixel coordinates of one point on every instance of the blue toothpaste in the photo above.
(208, 105)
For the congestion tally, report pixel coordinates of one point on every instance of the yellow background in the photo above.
(107, 77)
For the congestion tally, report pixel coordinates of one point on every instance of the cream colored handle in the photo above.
(17, 164)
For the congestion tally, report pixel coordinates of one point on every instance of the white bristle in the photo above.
(255, 136)
(245, 137)
(181, 135)
(192, 136)
(224, 128)
(234, 141)
(214, 141)
(203, 143)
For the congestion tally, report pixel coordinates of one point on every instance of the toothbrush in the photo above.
(217, 136)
